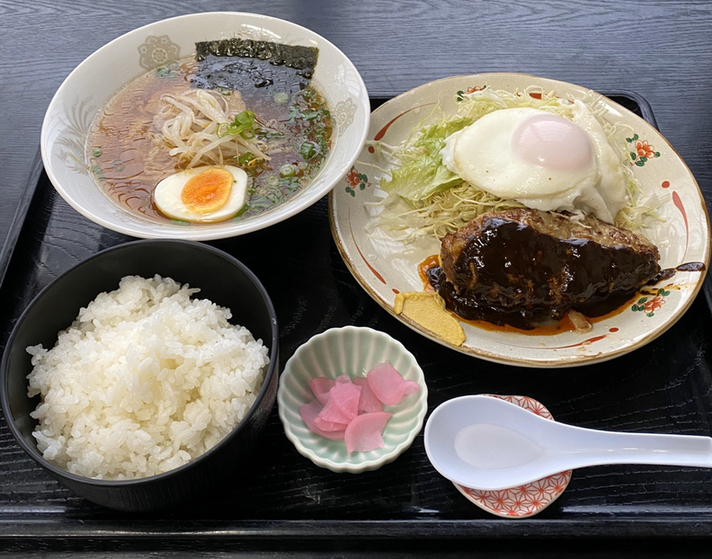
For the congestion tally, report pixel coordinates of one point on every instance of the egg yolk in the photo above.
(208, 191)
(553, 142)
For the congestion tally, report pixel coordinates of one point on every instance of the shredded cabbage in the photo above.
(438, 202)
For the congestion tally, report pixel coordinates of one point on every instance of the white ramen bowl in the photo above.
(82, 95)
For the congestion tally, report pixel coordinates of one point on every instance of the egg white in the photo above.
(167, 196)
(482, 155)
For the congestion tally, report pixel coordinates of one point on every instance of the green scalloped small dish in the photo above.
(354, 351)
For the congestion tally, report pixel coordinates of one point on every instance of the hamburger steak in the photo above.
(527, 268)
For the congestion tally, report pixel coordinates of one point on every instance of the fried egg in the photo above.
(542, 160)
(202, 194)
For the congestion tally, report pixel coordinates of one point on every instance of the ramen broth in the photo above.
(129, 156)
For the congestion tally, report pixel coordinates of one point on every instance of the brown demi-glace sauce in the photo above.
(564, 324)
(424, 266)
(667, 273)
(528, 268)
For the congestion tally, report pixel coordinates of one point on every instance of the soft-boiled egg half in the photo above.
(202, 194)
(542, 160)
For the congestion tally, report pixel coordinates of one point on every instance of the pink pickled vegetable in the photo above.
(330, 419)
(352, 410)
(310, 412)
(388, 385)
(368, 401)
(320, 386)
(342, 405)
(366, 431)
(345, 396)
(329, 426)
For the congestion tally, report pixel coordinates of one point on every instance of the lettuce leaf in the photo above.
(423, 173)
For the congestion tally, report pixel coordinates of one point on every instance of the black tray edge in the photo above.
(646, 110)
(18, 219)
(688, 525)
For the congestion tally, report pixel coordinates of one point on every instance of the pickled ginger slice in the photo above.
(320, 386)
(366, 432)
(388, 385)
(340, 408)
(368, 401)
(310, 412)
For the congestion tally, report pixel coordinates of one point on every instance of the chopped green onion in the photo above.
(289, 184)
(287, 170)
(242, 125)
(272, 180)
(308, 150)
(293, 113)
(242, 210)
(246, 158)
(281, 98)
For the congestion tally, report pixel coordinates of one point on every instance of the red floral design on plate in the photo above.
(356, 180)
(649, 305)
(644, 149)
(525, 500)
(641, 150)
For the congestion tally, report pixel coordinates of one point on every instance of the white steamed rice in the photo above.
(144, 380)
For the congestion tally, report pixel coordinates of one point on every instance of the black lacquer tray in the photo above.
(283, 500)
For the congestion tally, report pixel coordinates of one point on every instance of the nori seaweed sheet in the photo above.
(240, 64)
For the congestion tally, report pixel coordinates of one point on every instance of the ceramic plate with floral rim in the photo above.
(385, 266)
(75, 170)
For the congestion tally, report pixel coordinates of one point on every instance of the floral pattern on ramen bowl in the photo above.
(386, 266)
(157, 47)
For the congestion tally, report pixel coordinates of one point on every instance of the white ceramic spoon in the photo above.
(486, 443)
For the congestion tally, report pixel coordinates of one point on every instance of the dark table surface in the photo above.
(660, 50)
